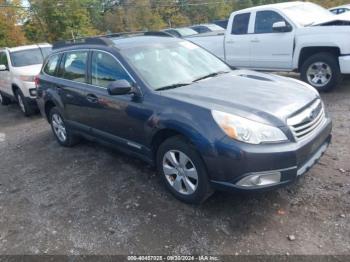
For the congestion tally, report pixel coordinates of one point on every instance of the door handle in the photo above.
(92, 98)
(230, 42)
(256, 40)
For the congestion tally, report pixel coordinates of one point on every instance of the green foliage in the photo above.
(11, 33)
(51, 20)
(60, 19)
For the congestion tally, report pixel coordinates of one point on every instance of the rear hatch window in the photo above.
(29, 57)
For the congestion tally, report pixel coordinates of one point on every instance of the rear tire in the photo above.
(62, 133)
(321, 71)
(183, 171)
(26, 109)
(4, 100)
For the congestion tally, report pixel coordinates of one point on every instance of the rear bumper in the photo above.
(31, 102)
(235, 162)
(29, 90)
(344, 63)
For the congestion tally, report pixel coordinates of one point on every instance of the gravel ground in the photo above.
(92, 200)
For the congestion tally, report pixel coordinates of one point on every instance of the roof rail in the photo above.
(104, 39)
(82, 41)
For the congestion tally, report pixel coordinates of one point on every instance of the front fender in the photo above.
(196, 124)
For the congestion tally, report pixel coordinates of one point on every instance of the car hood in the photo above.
(261, 97)
(342, 19)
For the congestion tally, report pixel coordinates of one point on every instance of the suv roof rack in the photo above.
(105, 39)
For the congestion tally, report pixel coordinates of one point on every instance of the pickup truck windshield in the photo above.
(173, 64)
(306, 14)
(29, 57)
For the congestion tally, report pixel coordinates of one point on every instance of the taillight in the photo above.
(37, 81)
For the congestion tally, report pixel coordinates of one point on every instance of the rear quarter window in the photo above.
(51, 65)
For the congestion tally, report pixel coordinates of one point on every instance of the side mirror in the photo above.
(281, 27)
(3, 68)
(119, 87)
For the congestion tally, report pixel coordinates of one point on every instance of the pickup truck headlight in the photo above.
(246, 130)
(27, 78)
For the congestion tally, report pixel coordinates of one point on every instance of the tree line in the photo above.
(52, 20)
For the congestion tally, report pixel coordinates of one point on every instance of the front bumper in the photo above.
(235, 161)
(344, 64)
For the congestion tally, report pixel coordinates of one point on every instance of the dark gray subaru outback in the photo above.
(177, 106)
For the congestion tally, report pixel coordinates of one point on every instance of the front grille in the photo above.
(307, 121)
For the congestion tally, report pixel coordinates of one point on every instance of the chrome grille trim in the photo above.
(308, 121)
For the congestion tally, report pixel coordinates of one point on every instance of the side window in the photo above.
(51, 65)
(3, 59)
(105, 69)
(264, 21)
(203, 29)
(240, 24)
(74, 66)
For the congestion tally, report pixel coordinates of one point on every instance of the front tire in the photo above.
(4, 100)
(183, 171)
(62, 133)
(321, 71)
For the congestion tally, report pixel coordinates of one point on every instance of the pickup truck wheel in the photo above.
(63, 134)
(183, 171)
(24, 106)
(321, 71)
(4, 100)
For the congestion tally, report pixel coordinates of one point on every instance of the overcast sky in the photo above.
(25, 3)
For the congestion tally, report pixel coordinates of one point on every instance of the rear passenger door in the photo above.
(73, 88)
(237, 41)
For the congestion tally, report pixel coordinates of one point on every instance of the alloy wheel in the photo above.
(59, 127)
(319, 74)
(180, 172)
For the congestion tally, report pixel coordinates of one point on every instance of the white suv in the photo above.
(18, 68)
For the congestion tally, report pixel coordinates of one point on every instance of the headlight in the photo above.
(246, 130)
(27, 78)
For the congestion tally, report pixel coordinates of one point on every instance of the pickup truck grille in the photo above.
(308, 121)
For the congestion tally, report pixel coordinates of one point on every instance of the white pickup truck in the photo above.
(294, 36)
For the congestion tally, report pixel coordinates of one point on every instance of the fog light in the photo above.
(260, 179)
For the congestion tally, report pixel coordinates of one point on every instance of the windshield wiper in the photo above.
(211, 75)
(172, 86)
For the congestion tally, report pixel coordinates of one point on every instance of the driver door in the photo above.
(269, 49)
(117, 118)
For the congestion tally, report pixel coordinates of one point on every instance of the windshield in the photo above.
(29, 57)
(163, 65)
(186, 31)
(306, 14)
